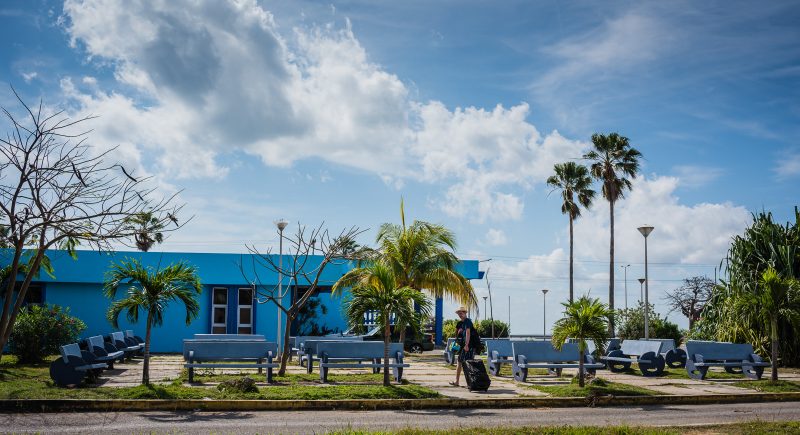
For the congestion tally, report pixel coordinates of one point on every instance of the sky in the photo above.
(333, 111)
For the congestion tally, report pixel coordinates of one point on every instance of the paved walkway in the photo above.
(430, 370)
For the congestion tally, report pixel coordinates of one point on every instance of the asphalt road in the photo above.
(322, 421)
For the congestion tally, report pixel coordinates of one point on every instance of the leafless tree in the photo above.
(56, 191)
(298, 271)
(691, 297)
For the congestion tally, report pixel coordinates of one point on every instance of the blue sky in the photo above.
(334, 111)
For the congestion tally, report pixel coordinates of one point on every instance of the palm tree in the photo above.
(152, 291)
(777, 297)
(148, 230)
(613, 160)
(585, 319)
(422, 257)
(573, 180)
(379, 292)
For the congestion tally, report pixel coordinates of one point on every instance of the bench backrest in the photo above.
(640, 347)
(611, 344)
(502, 346)
(230, 337)
(719, 351)
(96, 341)
(667, 344)
(543, 351)
(216, 350)
(70, 350)
(357, 349)
(129, 333)
(301, 341)
(118, 336)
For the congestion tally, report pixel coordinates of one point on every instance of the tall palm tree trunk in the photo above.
(611, 326)
(146, 364)
(570, 259)
(581, 354)
(775, 347)
(387, 340)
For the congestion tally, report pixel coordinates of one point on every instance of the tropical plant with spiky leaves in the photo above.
(151, 290)
(584, 320)
(421, 256)
(614, 163)
(575, 184)
(379, 292)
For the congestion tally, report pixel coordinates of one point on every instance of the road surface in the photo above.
(322, 421)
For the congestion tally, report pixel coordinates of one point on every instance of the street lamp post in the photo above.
(484, 306)
(544, 313)
(641, 289)
(491, 310)
(646, 230)
(625, 268)
(281, 224)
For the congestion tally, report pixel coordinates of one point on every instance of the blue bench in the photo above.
(307, 347)
(674, 357)
(238, 353)
(735, 358)
(129, 334)
(353, 354)
(74, 365)
(646, 353)
(127, 345)
(542, 354)
(230, 337)
(103, 351)
(498, 352)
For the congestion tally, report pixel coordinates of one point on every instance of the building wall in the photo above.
(78, 285)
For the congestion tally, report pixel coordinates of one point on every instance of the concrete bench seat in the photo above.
(74, 365)
(645, 353)
(123, 344)
(237, 354)
(352, 354)
(542, 354)
(736, 358)
(104, 351)
(498, 352)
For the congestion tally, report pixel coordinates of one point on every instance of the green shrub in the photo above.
(449, 329)
(40, 330)
(241, 385)
(484, 328)
(631, 325)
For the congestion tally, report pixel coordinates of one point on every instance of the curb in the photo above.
(117, 405)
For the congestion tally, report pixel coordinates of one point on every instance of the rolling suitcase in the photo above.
(477, 378)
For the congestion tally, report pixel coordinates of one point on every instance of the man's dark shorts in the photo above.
(466, 354)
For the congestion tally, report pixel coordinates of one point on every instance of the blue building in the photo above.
(228, 303)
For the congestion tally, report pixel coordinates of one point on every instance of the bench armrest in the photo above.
(521, 359)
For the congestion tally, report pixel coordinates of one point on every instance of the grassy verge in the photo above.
(596, 387)
(767, 386)
(749, 428)
(682, 374)
(33, 382)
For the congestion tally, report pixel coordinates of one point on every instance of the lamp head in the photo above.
(645, 230)
(641, 280)
(544, 291)
(281, 223)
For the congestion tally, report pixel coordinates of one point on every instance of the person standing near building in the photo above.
(464, 332)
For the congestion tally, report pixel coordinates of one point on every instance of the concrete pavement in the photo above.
(322, 421)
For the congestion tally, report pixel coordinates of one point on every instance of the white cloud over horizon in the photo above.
(206, 79)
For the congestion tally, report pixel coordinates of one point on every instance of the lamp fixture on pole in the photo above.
(646, 230)
(281, 224)
(544, 313)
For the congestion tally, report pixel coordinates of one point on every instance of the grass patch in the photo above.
(767, 386)
(749, 428)
(682, 374)
(595, 387)
(210, 376)
(33, 382)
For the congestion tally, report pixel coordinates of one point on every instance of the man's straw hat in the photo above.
(461, 308)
